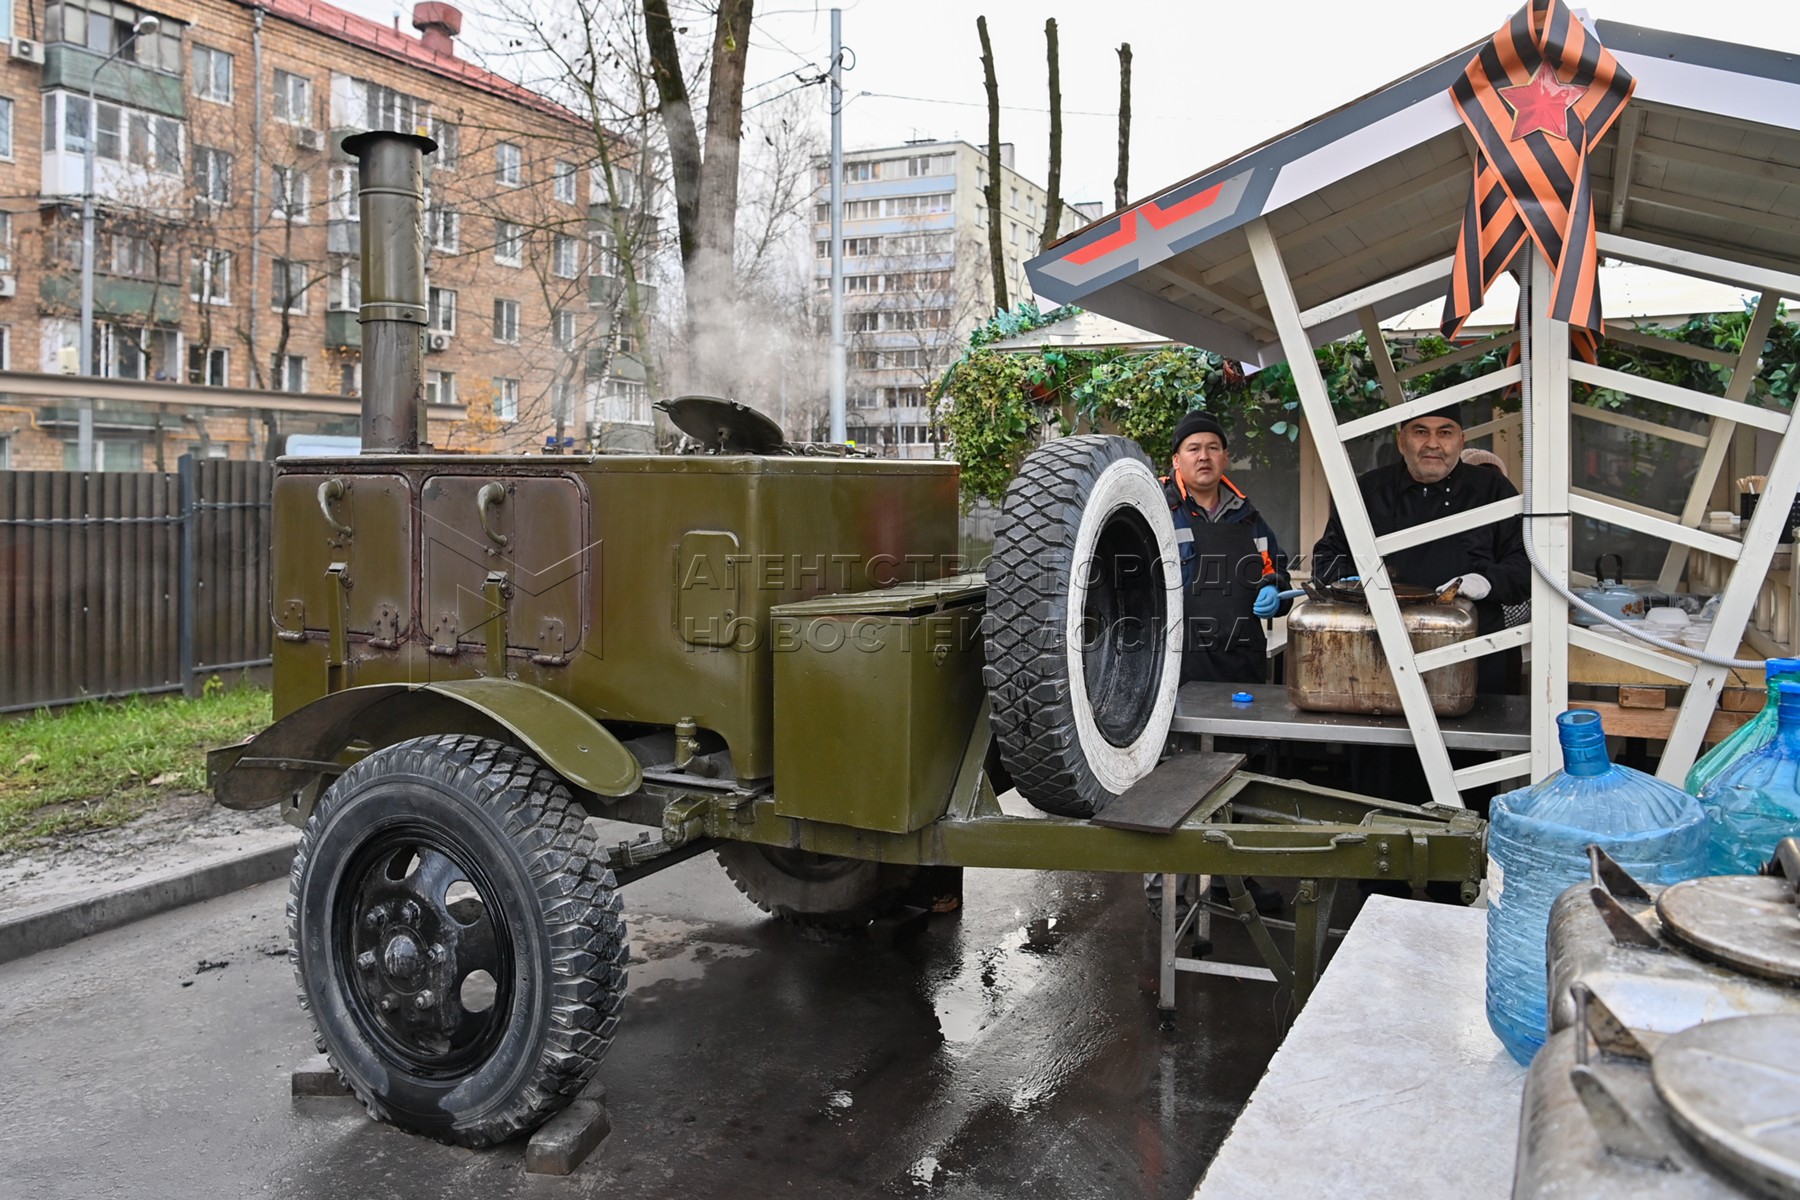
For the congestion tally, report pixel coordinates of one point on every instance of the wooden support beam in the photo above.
(1377, 292)
(1414, 370)
(1719, 437)
(1679, 397)
(1624, 151)
(1702, 156)
(1638, 654)
(1546, 362)
(1658, 722)
(1694, 258)
(1315, 401)
(1708, 207)
(1443, 527)
(1481, 647)
(1631, 337)
(1513, 766)
(1189, 281)
(1481, 385)
(1652, 524)
(1391, 392)
(1607, 416)
(1405, 243)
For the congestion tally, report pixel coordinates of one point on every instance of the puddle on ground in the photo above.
(668, 950)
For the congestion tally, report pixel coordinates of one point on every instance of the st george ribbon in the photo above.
(1537, 97)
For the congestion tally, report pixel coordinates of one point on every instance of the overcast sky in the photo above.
(1209, 79)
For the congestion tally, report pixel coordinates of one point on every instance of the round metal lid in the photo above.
(723, 426)
(1746, 922)
(1733, 1088)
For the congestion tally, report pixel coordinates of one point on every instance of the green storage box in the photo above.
(875, 696)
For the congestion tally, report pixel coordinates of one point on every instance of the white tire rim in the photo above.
(1127, 483)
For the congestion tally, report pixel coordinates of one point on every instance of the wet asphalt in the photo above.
(1012, 1049)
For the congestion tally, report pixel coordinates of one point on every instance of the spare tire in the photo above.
(1083, 628)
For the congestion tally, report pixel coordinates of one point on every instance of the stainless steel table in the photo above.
(1496, 722)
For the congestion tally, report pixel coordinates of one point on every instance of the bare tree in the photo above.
(1053, 208)
(1120, 194)
(705, 178)
(996, 250)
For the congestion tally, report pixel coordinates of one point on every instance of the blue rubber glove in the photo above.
(1268, 601)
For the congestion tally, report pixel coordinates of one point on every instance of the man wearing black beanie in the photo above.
(1232, 574)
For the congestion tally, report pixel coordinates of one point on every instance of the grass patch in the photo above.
(97, 765)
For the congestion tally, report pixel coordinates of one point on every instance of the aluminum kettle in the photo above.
(1610, 595)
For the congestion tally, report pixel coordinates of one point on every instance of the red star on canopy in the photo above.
(1541, 104)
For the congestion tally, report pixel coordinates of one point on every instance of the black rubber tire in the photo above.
(1078, 719)
(818, 891)
(370, 925)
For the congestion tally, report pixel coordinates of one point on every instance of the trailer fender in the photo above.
(304, 745)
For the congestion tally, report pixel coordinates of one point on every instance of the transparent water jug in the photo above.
(1755, 802)
(1753, 734)
(1537, 846)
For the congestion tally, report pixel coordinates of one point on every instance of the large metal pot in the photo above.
(1335, 662)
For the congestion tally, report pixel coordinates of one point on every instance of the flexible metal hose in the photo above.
(1537, 565)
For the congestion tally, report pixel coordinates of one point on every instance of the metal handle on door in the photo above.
(330, 490)
(490, 495)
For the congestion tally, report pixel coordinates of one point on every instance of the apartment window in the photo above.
(564, 176)
(290, 194)
(1015, 197)
(209, 366)
(506, 399)
(363, 104)
(563, 327)
(6, 128)
(444, 133)
(287, 372)
(289, 292)
(602, 255)
(346, 286)
(506, 320)
(565, 259)
(509, 164)
(133, 257)
(212, 74)
(6, 263)
(509, 244)
(209, 277)
(293, 98)
(344, 204)
(440, 387)
(440, 310)
(443, 229)
(858, 172)
(6, 451)
(212, 175)
(104, 26)
(350, 379)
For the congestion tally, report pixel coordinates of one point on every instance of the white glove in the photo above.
(1475, 587)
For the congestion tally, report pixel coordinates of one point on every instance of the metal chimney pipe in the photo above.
(392, 206)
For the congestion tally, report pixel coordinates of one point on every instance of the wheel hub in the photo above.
(413, 946)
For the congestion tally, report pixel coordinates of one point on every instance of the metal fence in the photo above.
(113, 583)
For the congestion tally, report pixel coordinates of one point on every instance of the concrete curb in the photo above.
(45, 928)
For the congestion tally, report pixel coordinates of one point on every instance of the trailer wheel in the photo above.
(456, 938)
(821, 891)
(1083, 631)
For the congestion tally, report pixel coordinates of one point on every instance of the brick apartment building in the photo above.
(226, 251)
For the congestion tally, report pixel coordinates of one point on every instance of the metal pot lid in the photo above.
(1350, 591)
(1733, 1088)
(723, 426)
(1747, 922)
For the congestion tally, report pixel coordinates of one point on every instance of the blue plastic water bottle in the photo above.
(1753, 734)
(1537, 846)
(1756, 801)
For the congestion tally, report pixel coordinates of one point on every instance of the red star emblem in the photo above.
(1541, 104)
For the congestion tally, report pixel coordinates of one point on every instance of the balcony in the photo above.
(606, 291)
(135, 301)
(72, 67)
(343, 237)
(342, 329)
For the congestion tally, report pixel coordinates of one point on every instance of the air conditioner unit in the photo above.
(9, 286)
(26, 50)
(309, 139)
(437, 341)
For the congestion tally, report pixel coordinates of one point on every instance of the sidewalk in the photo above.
(188, 850)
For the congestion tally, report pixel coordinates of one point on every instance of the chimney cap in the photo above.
(434, 14)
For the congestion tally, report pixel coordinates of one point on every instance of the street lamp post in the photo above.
(84, 447)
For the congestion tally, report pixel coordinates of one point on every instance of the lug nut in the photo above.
(409, 912)
(387, 1004)
(366, 960)
(377, 917)
(424, 999)
(436, 952)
